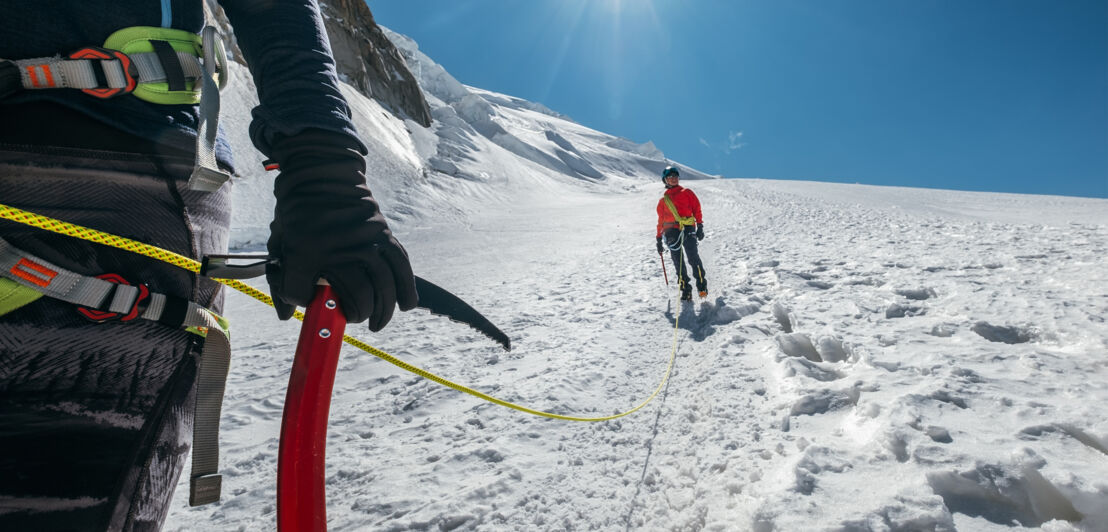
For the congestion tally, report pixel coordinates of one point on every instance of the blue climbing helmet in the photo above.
(670, 170)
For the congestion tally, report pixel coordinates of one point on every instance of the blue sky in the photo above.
(993, 95)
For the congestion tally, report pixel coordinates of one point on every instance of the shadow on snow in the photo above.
(700, 318)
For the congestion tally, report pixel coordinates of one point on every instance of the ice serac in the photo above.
(509, 134)
(368, 60)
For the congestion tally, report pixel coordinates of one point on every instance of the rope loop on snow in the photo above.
(92, 235)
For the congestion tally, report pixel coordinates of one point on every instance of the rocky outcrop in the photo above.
(365, 58)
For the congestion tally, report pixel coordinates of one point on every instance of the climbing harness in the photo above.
(57, 226)
(109, 296)
(683, 221)
(158, 65)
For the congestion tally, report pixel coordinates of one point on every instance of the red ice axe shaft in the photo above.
(301, 497)
(666, 274)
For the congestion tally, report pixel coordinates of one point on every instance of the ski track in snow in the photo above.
(869, 365)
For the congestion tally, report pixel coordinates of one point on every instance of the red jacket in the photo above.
(687, 205)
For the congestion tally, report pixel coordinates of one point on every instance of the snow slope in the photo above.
(869, 358)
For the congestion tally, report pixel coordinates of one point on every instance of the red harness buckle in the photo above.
(102, 54)
(101, 316)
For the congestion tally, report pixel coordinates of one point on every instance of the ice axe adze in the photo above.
(431, 296)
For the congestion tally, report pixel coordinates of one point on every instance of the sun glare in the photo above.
(619, 6)
(618, 33)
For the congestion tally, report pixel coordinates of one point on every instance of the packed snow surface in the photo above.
(868, 358)
(858, 365)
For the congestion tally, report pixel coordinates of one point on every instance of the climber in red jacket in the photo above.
(681, 225)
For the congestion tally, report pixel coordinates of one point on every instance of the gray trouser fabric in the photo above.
(96, 418)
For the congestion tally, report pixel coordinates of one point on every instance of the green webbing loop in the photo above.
(136, 40)
(201, 331)
(14, 295)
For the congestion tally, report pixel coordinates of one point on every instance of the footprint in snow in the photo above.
(896, 310)
(1037, 432)
(1004, 494)
(830, 348)
(1004, 334)
(784, 317)
(824, 401)
(916, 294)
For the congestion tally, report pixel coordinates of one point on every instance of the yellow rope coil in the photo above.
(92, 235)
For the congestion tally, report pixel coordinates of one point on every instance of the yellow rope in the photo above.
(92, 235)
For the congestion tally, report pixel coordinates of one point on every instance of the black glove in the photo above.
(699, 232)
(660, 248)
(327, 225)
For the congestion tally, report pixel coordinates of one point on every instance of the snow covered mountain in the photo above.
(469, 121)
(869, 358)
(480, 144)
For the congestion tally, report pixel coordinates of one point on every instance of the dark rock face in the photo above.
(367, 60)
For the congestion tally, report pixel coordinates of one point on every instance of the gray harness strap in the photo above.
(64, 73)
(206, 176)
(148, 67)
(215, 358)
(205, 481)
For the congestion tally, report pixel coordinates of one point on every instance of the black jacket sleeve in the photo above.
(285, 46)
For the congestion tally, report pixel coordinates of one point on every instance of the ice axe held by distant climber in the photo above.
(665, 274)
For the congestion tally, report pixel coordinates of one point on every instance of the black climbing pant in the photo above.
(675, 242)
(96, 418)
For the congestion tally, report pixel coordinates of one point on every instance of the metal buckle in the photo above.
(101, 316)
(95, 53)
